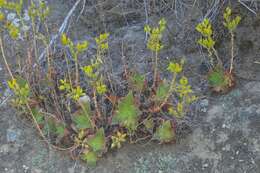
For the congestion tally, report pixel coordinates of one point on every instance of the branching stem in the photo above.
(172, 87)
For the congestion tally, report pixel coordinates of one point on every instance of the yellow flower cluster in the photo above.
(89, 71)
(21, 91)
(13, 30)
(17, 7)
(74, 93)
(231, 24)
(117, 139)
(174, 67)
(80, 139)
(97, 83)
(100, 87)
(205, 28)
(75, 49)
(155, 36)
(2, 17)
(42, 11)
(184, 89)
(186, 98)
(65, 41)
(102, 42)
(82, 46)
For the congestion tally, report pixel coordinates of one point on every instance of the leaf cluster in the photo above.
(21, 90)
(219, 79)
(205, 28)
(40, 11)
(155, 35)
(73, 92)
(75, 49)
(229, 23)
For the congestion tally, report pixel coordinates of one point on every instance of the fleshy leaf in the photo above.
(216, 78)
(127, 112)
(97, 142)
(82, 121)
(60, 129)
(90, 157)
(54, 127)
(162, 91)
(21, 82)
(149, 124)
(38, 116)
(85, 105)
(165, 132)
(137, 81)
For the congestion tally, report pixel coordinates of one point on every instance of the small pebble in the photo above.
(205, 165)
(203, 104)
(26, 168)
(11, 16)
(11, 135)
(84, 99)
(4, 149)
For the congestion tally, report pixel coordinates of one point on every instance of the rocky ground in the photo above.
(225, 130)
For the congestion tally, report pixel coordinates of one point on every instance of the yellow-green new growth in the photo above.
(207, 41)
(230, 23)
(73, 93)
(155, 36)
(14, 6)
(2, 16)
(42, 11)
(184, 91)
(205, 28)
(100, 87)
(102, 42)
(65, 41)
(118, 139)
(13, 31)
(174, 67)
(21, 90)
(81, 47)
(102, 46)
(91, 71)
(76, 93)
